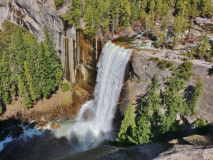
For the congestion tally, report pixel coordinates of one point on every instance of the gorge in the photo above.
(105, 73)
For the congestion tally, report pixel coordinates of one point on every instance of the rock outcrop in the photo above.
(142, 70)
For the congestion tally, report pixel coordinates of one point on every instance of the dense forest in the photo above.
(29, 69)
(112, 15)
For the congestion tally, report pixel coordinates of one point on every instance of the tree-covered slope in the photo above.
(28, 69)
(112, 15)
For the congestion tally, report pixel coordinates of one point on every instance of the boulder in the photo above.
(199, 140)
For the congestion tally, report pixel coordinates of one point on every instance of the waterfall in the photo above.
(94, 121)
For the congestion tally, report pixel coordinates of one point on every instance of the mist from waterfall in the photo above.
(94, 121)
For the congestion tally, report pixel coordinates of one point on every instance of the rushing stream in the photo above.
(94, 121)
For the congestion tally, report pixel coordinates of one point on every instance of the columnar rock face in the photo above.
(78, 55)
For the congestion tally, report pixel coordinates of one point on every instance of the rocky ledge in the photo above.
(146, 152)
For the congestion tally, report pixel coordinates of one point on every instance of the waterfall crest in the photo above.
(94, 121)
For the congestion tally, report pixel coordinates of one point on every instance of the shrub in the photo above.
(165, 64)
(200, 123)
(156, 59)
(184, 59)
(59, 3)
(65, 87)
(201, 126)
(192, 94)
(185, 70)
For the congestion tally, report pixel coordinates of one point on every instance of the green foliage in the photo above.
(193, 97)
(165, 64)
(59, 3)
(201, 126)
(27, 69)
(156, 59)
(1, 109)
(200, 123)
(142, 132)
(157, 111)
(201, 51)
(113, 15)
(161, 40)
(65, 87)
(127, 125)
(75, 13)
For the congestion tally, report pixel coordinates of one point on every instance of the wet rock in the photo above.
(16, 132)
(55, 125)
(32, 124)
(42, 122)
(88, 114)
(10, 127)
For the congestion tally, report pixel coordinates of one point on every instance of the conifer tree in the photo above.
(30, 81)
(75, 13)
(128, 124)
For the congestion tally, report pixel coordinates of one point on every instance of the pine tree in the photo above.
(143, 11)
(135, 10)
(124, 13)
(128, 124)
(75, 13)
(25, 97)
(142, 132)
(30, 81)
(5, 78)
(159, 6)
(152, 13)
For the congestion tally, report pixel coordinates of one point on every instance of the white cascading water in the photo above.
(94, 121)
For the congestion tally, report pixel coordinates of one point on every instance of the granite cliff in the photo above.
(78, 53)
